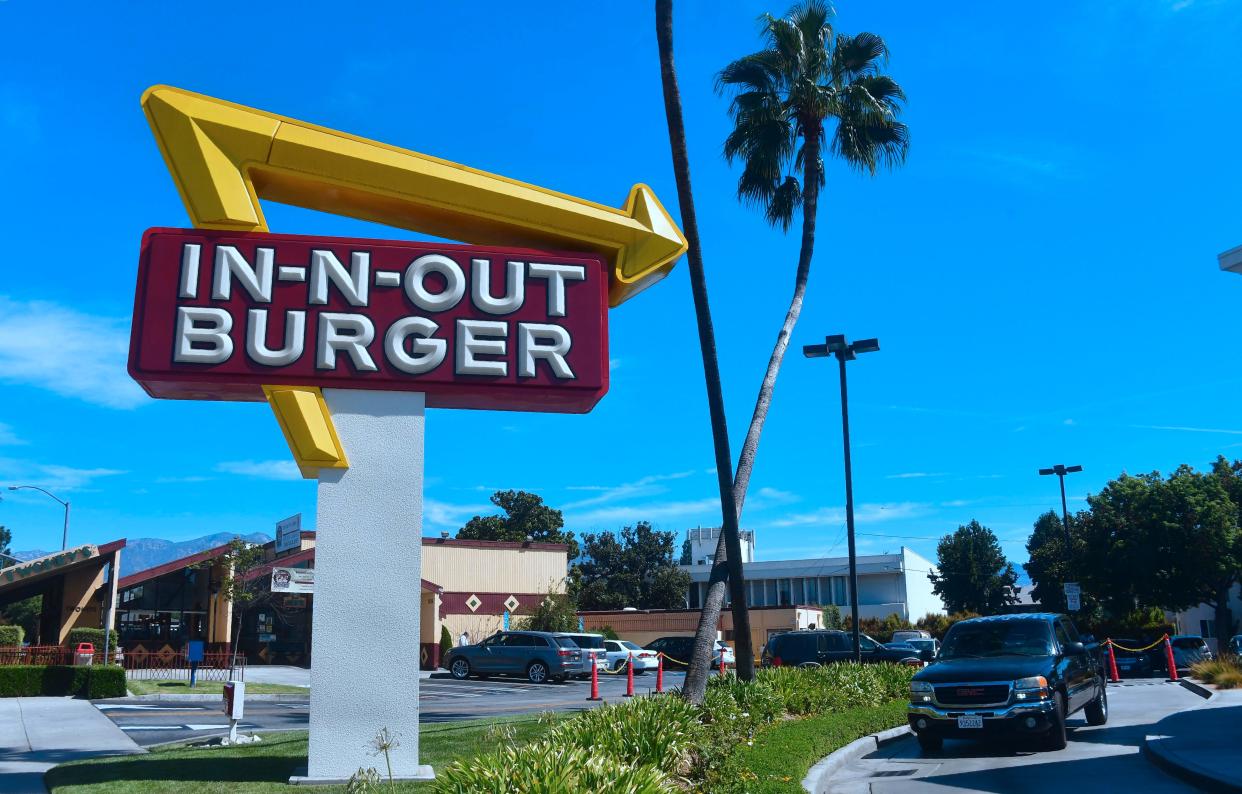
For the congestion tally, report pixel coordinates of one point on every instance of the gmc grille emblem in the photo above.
(970, 691)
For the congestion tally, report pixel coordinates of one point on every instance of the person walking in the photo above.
(464, 639)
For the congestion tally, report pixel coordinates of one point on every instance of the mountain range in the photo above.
(140, 554)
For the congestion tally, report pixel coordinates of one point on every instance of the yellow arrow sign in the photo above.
(225, 157)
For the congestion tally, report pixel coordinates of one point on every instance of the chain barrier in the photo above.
(1136, 650)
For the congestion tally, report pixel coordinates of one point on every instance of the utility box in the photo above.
(85, 654)
(234, 699)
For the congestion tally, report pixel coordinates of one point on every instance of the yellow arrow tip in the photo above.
(653, 255)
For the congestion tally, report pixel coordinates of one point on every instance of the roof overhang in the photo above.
(38, 571)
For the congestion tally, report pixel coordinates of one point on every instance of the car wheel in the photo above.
(619, 666)
(460, 669)
(930, 742)
(1055, 738)
(537, 673)
(1097, 710)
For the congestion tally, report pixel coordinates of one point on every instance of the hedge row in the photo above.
(93, 636)
(11, 636)
(89, 681)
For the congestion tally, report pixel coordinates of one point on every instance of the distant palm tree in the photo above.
(806, 85)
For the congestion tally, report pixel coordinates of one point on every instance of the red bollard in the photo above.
(629, 678)
(1113, 677)
(1168, 654)
(594, 681)
(722, 667)
(659, 672)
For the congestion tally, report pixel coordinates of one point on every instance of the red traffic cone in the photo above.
(1113, 677)
(659, 672)
(629, 678)
(594, 681)
(1168, 654)
(722, 667)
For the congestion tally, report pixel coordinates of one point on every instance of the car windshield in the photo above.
(566, 642)
(1191, 643)
(1001, 638)
(589, 640)
(922, 645)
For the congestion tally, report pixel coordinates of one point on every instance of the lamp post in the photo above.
(1061, 470)
(64, 543)
(845, 351)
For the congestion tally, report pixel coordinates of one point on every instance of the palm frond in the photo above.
(784, 201)
(812, 20)
(853, 56)
(880, 90)
(764, 132)
(759, 71)
(868, 142)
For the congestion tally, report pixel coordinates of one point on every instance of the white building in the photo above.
(887, 583)
(1201, 620)
(703, 542)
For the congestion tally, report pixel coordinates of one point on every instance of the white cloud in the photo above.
(957, 503)
(175, 480)
(72, 354)
(1068, 422)
(655, 511)
(646, 486)
(614, 364)
(8, 437)
(442, 515)
(57, 479)
(863, 514)
(1189, 429)
(261, 469)
(911, 475)
(767, 497)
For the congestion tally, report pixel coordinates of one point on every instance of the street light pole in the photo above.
(64, 542)
(836, 345)
(1060, 470)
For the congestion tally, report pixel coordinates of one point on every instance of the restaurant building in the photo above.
(468, 586)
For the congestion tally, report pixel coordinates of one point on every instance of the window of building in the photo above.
(796, 594)
(694, 595)
(770, 589)
(825, 590)
(783, 587)
(838, 591)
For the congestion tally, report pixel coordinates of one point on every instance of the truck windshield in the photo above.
(1008, 638)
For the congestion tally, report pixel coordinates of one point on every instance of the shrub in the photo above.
(446, 642)
(830, 617)
(609, 633)
(11, 636)
(836, 687)
(648, 731)
(93, 636)
(547, 767)
(1225, 672)
(28, 680)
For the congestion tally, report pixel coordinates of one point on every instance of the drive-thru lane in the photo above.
(1103, 758)
(441, 699)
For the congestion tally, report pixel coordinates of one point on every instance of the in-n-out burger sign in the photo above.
(220, 314)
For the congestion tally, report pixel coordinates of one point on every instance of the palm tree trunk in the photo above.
(810, 203)
(696, 676)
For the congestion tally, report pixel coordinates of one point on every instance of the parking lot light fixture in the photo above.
(64, 543)
(844, 351)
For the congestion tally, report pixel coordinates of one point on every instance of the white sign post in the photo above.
(368, 559)
(1073, 596)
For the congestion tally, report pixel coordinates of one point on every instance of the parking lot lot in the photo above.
(441, 699)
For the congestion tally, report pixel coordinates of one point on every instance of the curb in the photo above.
(827, 767)
(291, 697)
(1157, 753)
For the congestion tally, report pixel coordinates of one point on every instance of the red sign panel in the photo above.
(219, 314)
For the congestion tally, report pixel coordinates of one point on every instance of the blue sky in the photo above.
(1041, 274)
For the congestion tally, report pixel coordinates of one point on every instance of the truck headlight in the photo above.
(1033, 688)
(920, 692)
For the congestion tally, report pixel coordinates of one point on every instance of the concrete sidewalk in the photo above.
(1201, 745)
(36, 734)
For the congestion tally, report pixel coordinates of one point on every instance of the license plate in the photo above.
(970, 722)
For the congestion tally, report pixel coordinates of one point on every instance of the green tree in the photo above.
(6, 538)
(830, 617)
(242, 592)
(525, 517)
(974, 574)
(633, 569)
(1227, 567)
(24, 613)
(687, 555)
(1046, 564)
(556, 612)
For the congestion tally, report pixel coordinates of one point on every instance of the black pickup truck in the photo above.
(1020, 674)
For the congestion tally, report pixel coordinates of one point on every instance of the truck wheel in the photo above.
(1055, 738)
(930, 742)
(537, 673)
(1097, 710)
(460, 669)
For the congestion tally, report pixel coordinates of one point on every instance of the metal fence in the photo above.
(176, 667)
(38, 654)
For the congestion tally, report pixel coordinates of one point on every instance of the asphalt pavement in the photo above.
(441, 699)
(1102, 758)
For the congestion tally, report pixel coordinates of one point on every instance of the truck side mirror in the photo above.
(1075, 649)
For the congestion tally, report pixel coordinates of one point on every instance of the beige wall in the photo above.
(465, 569)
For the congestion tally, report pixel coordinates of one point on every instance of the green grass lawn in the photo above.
(264, 767)
(181, 687)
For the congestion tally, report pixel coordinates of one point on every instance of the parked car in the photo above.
(1189, 649)
(927, 648)
(822, 646)
(619, 652)
(1023, 674)
(677, 652)
(901, 635)
(1138, 664)
(1235, 645)
(592, 646)
(540, 656)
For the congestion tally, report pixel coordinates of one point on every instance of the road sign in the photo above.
(220, 314)
(1073, 596)
(289, 533)
(293, 580)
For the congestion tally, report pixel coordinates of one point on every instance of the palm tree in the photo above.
(805, 84)
(727, 566)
